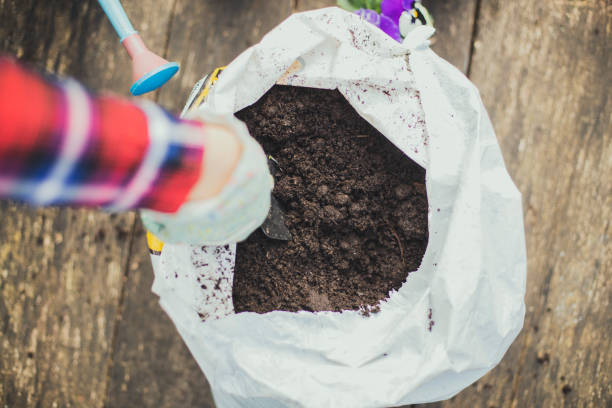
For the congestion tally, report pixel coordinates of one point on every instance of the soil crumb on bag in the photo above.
(355, 205)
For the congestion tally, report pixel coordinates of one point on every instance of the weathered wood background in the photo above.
(79, 326)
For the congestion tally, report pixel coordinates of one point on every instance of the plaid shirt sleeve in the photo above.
(59, 145)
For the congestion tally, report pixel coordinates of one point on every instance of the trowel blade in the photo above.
(274, 226)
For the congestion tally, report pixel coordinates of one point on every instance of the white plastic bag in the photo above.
(451, 321)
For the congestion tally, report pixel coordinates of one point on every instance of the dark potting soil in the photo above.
(355, 205)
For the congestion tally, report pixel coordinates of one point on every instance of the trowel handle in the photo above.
(116, 14)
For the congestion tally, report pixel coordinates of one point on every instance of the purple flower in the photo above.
(394, 8)
(381, 21)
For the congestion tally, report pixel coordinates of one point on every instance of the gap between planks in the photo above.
(167, 42)
(132, 240)
(120, 307)
(294, 4)
(473, 36)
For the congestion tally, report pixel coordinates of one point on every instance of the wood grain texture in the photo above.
(543, 70)
(208, 34)
(62, 270)
(305, 5)
(454, 23)
(61, 276)
(74, 38)
(152, 366)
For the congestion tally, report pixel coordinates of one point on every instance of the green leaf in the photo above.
(373, 5)
(377, 5)
(352, 5)
(347, 5)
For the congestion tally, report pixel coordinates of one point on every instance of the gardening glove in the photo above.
(234, 213)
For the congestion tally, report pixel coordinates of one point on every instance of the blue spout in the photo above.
(116, 14)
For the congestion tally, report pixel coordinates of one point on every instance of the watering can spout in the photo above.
(149, 70)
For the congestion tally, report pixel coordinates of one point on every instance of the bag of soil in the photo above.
(451, 316)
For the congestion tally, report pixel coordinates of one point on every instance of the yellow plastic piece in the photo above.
(155, 244)
(211, 80)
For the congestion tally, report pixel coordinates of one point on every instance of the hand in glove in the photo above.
(232, 197)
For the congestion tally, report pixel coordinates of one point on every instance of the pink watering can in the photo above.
(149, 70)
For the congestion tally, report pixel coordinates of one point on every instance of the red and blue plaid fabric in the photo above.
(59, 145)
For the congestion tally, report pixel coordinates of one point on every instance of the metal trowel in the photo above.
(274, 225)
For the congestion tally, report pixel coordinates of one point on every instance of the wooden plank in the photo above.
(152, 366)
(206, 35)
(543, 70)
(304, 5)
(75, 39)
(62, 270)
(61, 276)
(454, 23)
